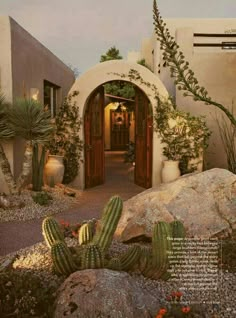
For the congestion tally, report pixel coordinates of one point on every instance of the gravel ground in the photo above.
(220, 304)
(24, 208)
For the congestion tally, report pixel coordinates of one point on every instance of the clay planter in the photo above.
(54, 170)
(170, 171)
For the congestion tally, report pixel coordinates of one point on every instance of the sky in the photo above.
(80, 31)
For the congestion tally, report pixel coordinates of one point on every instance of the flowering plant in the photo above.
(175, 307)
(70, 230)
(184, 136)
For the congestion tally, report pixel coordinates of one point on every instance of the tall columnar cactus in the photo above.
(38, 167)
(86, 233)
(110, 218)
(92, 257)
(130, 258)
(161, 244)
(177, 228)
(62, 259)
(145, 260)
(51, 231)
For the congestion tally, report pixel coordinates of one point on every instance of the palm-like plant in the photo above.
(5, 133)
(29, 120)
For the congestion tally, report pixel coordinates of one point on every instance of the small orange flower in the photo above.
(162, 311)
(185, 309)
(178, 294)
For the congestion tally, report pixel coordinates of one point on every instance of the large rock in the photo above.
(101, 293)
(205, 202)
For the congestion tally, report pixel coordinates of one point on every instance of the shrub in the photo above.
(23, 294)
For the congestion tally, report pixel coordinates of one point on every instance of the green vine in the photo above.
(179, 68)
(66, 141)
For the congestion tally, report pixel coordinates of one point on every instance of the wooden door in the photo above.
(119, 130)
(143, 140)
(94, 139)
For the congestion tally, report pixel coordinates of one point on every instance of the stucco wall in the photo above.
(214, 68)
(25, 63)
(6, 84)
(105, 72)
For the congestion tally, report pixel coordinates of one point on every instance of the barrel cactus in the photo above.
(62, 259)
(92, 257)
(51, 231)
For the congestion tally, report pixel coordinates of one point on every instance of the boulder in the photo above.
(205, 202)
(101, 293)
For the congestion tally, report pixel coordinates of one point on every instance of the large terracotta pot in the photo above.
(54, 170)
(170, 171)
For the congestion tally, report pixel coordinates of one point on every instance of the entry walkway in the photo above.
(17, 235)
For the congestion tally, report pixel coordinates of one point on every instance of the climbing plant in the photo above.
(66, 140)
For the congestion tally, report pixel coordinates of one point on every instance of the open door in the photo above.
(94, 139)
(143, 140)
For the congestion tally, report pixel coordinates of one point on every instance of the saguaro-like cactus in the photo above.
(161, 244)
(110, 218)
(62, 259)
(51, 231)
(92, 257)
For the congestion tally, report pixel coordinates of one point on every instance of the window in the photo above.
(228, 45)
(51, 97)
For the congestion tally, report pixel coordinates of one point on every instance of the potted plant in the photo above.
(66, 146)
(184, 138)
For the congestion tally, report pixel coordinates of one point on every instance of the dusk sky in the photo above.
(79, 31)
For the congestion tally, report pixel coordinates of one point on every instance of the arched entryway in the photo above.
(90, 99)
(94, 137)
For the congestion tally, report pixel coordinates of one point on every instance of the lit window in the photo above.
(51, 97)
(229, 45)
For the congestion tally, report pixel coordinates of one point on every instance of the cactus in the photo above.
(110, 218)
(145, 259)
(130, 257)
(51, 231)
(62, 259)
(38, 167)
(92, 257)
(114, 264)
(86, 232)
(177, 229)
(160, 245)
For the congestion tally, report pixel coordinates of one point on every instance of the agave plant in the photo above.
(28, 119)
(5, 133)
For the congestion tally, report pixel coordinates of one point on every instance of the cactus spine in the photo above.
(92, 257)
(86, 233)
(51, 231)
(110, 218)
(62, 259)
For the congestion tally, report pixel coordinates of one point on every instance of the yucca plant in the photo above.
(28, 119)
(6, 133)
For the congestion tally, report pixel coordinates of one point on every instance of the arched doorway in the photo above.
(89, 83)
(94, 133)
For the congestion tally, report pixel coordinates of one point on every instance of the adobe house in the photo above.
(209, 45)
(28, 69)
